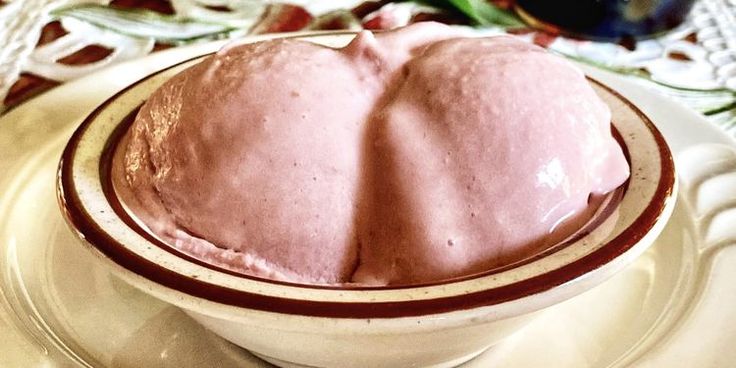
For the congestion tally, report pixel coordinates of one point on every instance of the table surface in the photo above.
(49, 42)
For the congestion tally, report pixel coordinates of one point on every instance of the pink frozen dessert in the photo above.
(407, 157)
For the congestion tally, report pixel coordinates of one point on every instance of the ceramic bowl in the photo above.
(291, 325)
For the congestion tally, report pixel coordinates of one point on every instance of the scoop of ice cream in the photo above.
(408, 157)
(489, 144)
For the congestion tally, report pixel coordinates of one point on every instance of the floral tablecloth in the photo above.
(44, 43)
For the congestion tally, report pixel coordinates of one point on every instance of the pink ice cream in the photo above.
(407, 157)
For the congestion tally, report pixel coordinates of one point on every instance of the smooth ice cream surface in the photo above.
(407, 157)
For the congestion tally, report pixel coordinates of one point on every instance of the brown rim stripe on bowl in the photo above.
(108, 190)
(88, 230)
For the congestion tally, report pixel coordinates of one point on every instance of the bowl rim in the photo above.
(86, 227)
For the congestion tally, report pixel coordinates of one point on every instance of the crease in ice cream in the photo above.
(409, 156)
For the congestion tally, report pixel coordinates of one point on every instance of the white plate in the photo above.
(676, 306)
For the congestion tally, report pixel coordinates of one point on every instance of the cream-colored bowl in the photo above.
(434, 325)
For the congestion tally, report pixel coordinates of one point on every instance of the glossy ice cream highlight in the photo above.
(406, 157)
